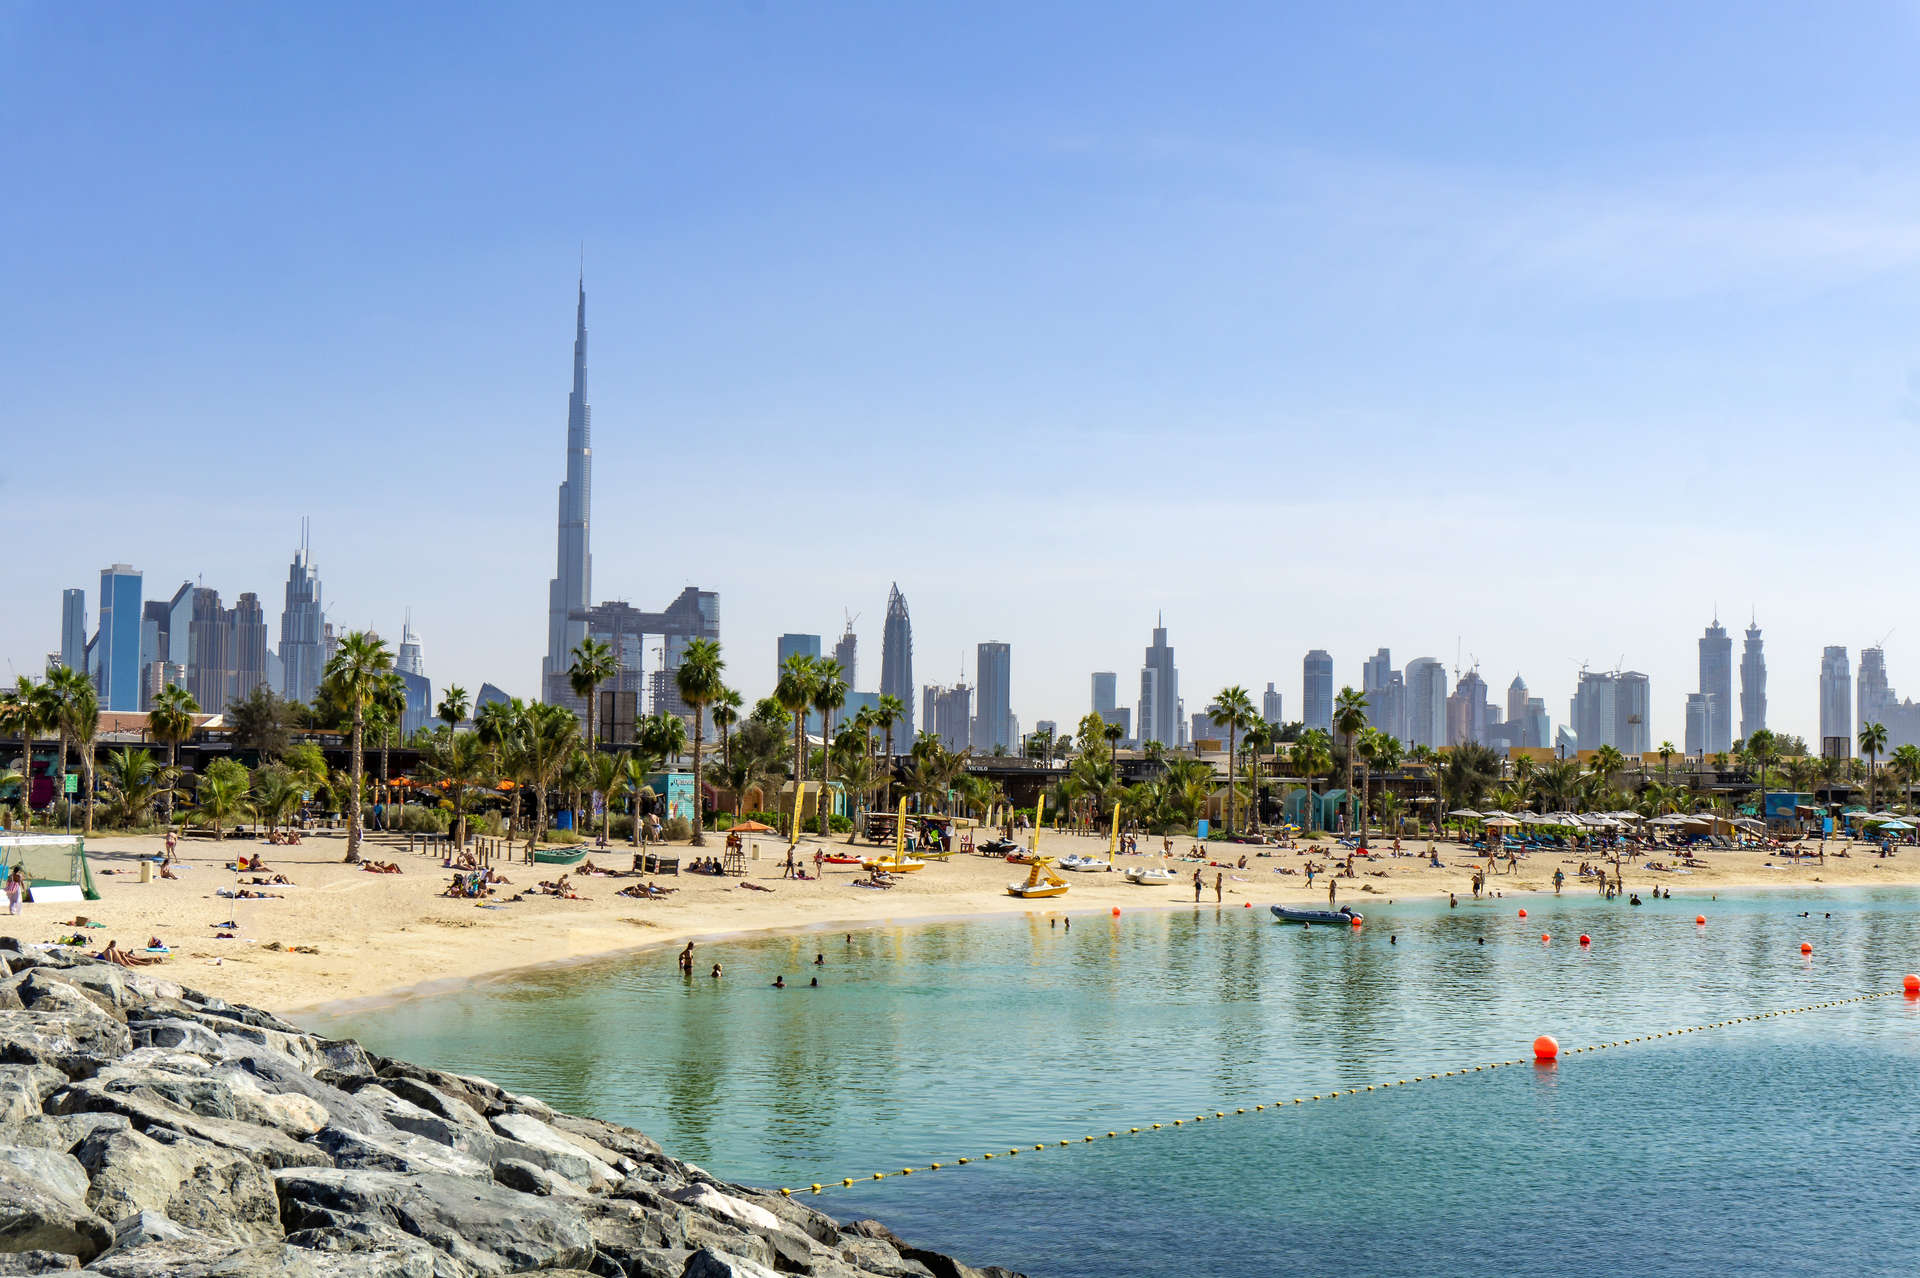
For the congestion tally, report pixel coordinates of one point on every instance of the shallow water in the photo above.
(1781, 1146)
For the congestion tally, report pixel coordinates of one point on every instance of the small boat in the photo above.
(1020, 858)
(559, 856)
(1151, 876)
(1041, 882)
(1085, 863)
(1343, 915)
(902, 865)
(998, 847)
(836, 858)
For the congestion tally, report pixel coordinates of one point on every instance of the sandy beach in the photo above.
(376, 935)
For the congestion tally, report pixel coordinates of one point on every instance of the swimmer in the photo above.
(819, 960)
(779, 982)
(814, 983)
(716, 972)
(1393, 940)
(1480, 940)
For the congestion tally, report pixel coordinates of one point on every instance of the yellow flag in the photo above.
(1039, 815)
(799, 794)
(1113, 844)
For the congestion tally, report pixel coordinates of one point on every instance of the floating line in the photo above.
(846, 1182)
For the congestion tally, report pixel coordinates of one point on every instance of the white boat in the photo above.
(1041, 881)
(1151, 876)
(1084, 863)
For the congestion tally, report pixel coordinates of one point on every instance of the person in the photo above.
(1393, 940)
(1196, 889)
(779, 982)
(1069, 925)
(686, 958)
(1333, 887)
(715, 974)
(1559, 877)
(16, 889)
(814, 984)
(1218, 881)
(173, 841)
(819, 960)
(1453, 902)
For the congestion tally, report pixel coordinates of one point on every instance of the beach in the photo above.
(378, 935)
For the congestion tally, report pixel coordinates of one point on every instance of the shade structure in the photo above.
(1467, 813)
(753, 827)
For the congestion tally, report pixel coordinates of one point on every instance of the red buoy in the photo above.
(1523, 914)
(1356, 920)
(1545, 1048)
(1116, 911)
(1805, 948)
(1585, 939)
(1544, 938)
(1911, 984)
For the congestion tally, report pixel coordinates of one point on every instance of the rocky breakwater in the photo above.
(150, 1131)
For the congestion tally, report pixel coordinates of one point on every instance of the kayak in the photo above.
(1288, 915)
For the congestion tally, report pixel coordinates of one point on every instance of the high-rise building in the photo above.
(1386, 693)
(1467, 711)
(408, 660)
(411, 666)
(1106, 690)
(1426, 681)
(948, 714)
(993, 722)
(571, 589)
(1316, 690)
(794, 645)
(846, 655)
(1699, 723)
(301, 620)
(1160, 691)
(1536, 730)
(1271, 709)
(115, 661)
(1753, 684)
(1836, 702)
(1593, 712)
(896, 660)
(247, 646)
(1517, 701)
(1716, 680)
(1633, 714)
(73, 629)
(1879, 704)
(154, 620)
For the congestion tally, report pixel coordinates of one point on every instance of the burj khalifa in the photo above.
(570, 593)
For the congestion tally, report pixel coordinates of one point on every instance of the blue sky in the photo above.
(1535, 329)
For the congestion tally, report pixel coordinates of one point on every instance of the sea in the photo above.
(1783, 1145)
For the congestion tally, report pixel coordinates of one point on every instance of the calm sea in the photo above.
(1790, 1145)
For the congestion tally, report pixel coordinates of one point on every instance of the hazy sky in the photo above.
(1532, 330)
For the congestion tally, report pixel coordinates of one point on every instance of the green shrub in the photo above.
(491, 824)
(773, 819)
(416, 819)
(566, 838)
(679, 828)
(839, 824)
(621, 827)
(723, 822)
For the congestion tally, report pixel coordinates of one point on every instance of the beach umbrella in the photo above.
(753, 827)
(1465, 813)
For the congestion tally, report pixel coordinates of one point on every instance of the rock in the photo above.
(147, 1109)
(518, 1174)
(436, 1102)
(476, 1093)
(556, 1151)
(706, 1198)
(278, 1073)
(37, 1262)
(178, 1033)
(23, 1088)
(43, 990)
(61, 1173)
(619, 1140)
(376, 1238)
(63, 1131)
(36, 1215)
(195, 1184)
(396, 1151)
(485, 1226)
(76, 1044)
(199, 1257)
(710, 1264)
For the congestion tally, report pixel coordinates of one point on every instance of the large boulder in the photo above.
(24, 1088)
(76, 1042)
(570, 1156)
(487, 1227)
(396, 1151)
(194, 1183)
(147, 1109)
(39, 1210)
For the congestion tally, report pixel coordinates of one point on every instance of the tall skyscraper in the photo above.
(73, 629)
(1271, 709)
(1467, 711)
(993, 719)
(1593, 712)
(1537, 731)
(301, 619)
(1873, 693)
(846, 655)
(1160, 691)
(794, 645)
(116, 648)
(410, 665)
(1426, 681)
(1316, 690)
(1836, 702)
(409, 659)
(572, 585)
(1753, 684)
(155, 618)
(1716, 681)
(1699, 724)
(948, 714)
(247, 646)
(896, 661)
(1517, 704)
(1106, 694)
(1633, 711)
(1386, 693)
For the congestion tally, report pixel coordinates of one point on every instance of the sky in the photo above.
(1529, 333)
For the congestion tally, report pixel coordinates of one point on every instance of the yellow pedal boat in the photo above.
(1042, 881)
(905, 865)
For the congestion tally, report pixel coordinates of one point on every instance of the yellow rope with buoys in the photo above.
(848, 1182)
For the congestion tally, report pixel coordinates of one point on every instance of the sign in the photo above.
(73, 783)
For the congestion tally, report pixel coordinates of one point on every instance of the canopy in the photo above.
(753, 827)
(1503, 822)
(1894, 825)
(1469, 813)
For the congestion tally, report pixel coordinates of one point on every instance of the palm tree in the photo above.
(1349, 716)
(635, 766)
(1233, 710)
(726, 712)
(663, 735)
(23, 709)
(220, 795)
(829, 695)
(1256, 742)
(1607, 763)
(276, 795)
(132, 785)
(170, 722)
(1762, 748)
(1905, 763)
(459, 761)
(889, 712)
(384, 717)
(1873, 743)
(1311, 756)
(353, 680)
(594, 663)
(1389, 806)
(698, 680)
(1666, 753)
(548, 735)
(793, 689)
(452, 708)
(1467, 772)
(79, 710)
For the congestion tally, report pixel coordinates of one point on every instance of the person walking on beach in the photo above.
(1196, 889)
(17, 887)
(1333, 888)
(1559, 877)
(1218, 879)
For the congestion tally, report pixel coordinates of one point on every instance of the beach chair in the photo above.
(734, 863)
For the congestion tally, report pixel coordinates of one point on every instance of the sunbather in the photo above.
(114, 954)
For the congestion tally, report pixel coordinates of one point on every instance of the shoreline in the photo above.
(337, 939)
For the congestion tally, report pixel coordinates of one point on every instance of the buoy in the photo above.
(1544, 938)
(1356, 921)
(1523, 914)
(1116, 911)
(1700, 919)
(1545, 1048)
(1805, 948)
(1911, 984)
(1585, 939)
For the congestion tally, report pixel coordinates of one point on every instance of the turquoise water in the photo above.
(1782, 1146)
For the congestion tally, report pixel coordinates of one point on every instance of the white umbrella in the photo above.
(1468, 813)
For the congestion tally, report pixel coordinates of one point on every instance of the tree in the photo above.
(452, 708)
(594, 663)
(458, 761)
(24, 709)
(1666, 753)
(726, 712)
(1873, 743)
(1762, 749)
(261, 722)
(889, 712)
(1309, 757)
(829, 694)
(794, 691)
(663, 735)
(1348, 716)
(276, 795)
(698, 680)
(220, 795)
(352, 682)
(1233, 710)
(170, 722)
(77, 706)
(1468, 771)
(548, 736)
(133, 784)
(1905, 763)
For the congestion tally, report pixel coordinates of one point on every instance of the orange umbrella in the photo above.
(753, 827)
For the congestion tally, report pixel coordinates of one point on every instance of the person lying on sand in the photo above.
(754, 887)
(276, 879)
(644, 892)
(247, 894)
(114, 954)
(380, 867)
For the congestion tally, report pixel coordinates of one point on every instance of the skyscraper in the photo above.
(1106, 694)
(1753, 684)
(247, 646)
(1160, 691)
(846, 655)
(1593, 712)
(1836, 702)
(411, 666)
(1633, 714)
(1316, 690)
(301, 619)
(948, 713)
(1426, 681)
(1467, 710)
(1271, 709)
(116, 648)
(1517, 705)
(1716, 681)
(896, 661)
(794, 645)
(1537, 731)
(1873, 694)
(572, 585)
(1699, 723)
(993, 717)
(73, 629)
(1386, 694)
(155, 618)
